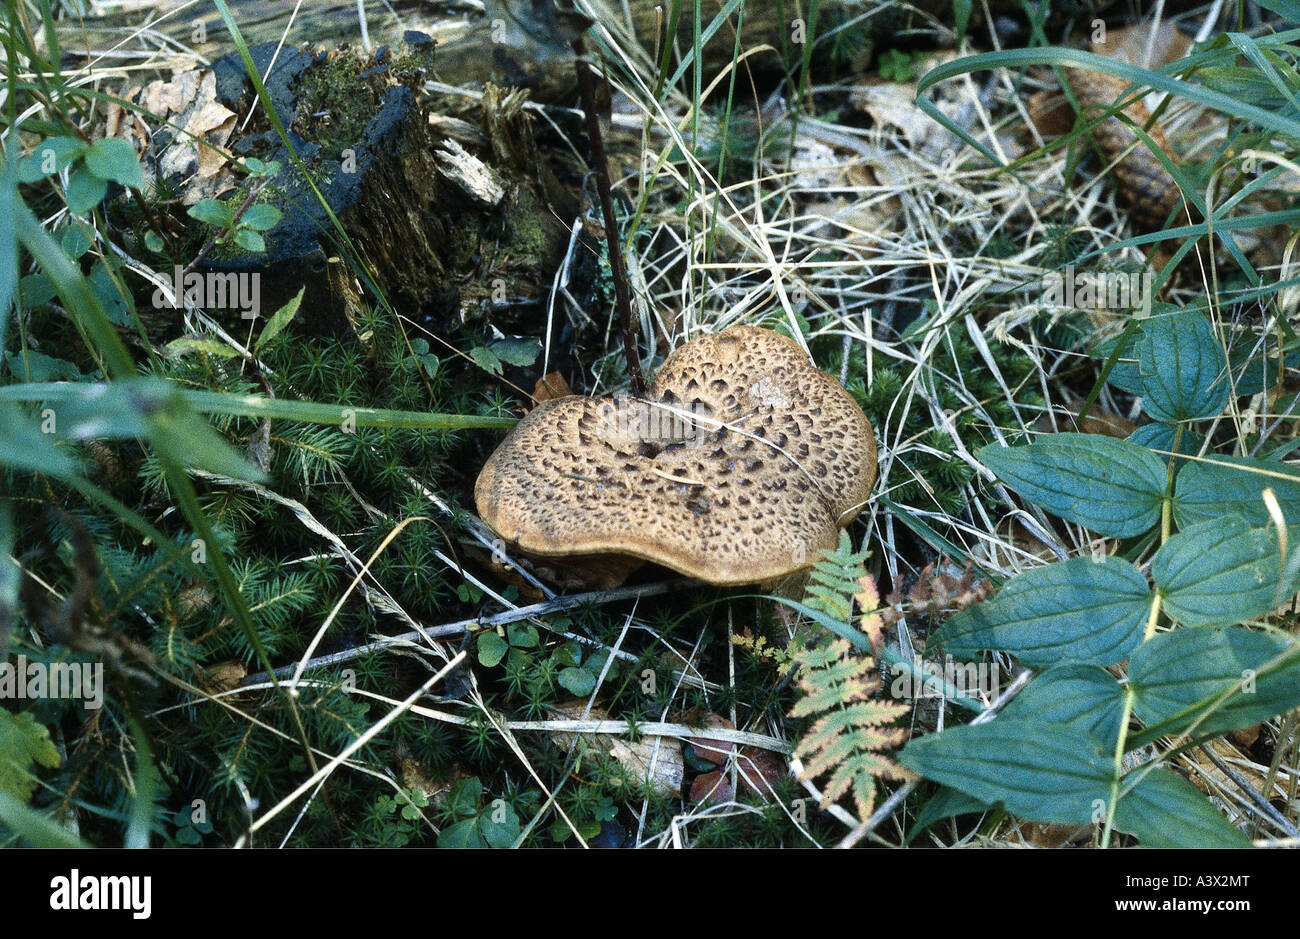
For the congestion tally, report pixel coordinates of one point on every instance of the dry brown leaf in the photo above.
(549, 386)
(657, 760)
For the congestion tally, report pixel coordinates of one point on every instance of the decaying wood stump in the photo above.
(449, 228)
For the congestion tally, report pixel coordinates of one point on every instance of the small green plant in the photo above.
(475, 825)
(243, 224)
(1206, 552)
(91, 167)
(896, 66)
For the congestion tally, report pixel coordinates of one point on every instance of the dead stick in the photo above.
(616, 266)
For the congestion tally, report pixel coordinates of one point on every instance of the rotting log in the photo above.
(446, 232)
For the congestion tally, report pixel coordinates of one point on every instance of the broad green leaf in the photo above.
(1125, 375)
(519, 352)
(463, 835)
(24, 447)
(577, 681)
(491, 649)
(119, 307)
(214, 213)
(1166, 811)
(523, 635)
(36, 290)
(23, 744)
(1069, 696)
(1028, 766)
(1175, 676)
(250, 240)
(1224, 571)
(261, 217)
(1183, 367)
(1109, 486)
(74, 241)
(30, 365)
(153, 409)
(114, 158)
(1161, 437)
(36, 829)
(279, 320)
(1208, 489)
(50, 156)
(179, 347)
(499, 824)
(1077, 611)
(945, 803)
(85, 191)
(486, 359)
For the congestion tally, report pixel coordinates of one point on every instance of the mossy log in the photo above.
(441, 229)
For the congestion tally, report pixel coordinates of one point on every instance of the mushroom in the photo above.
(743, 462)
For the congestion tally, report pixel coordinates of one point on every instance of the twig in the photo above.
(1257, 798)
(452, 630)
(601, 168)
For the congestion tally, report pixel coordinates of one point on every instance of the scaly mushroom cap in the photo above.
(742, 465)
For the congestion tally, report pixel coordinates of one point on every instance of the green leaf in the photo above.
(279, 320)
(36, 290)
(1109, 486)
(499, 824)
(1076, 611)
(577, 681)
(114, 158)
(24, 447)
(523, 635)
(85, 191)
(1028, 766)
(36, 829)
(10, 284)
(570, 653)
(519, 352)
(23, 744)
(1184, 369)
(75, 242)
(36, 366)
(1224, 571)
(250, 240)
(214, 213)
(491, 649)
(118, 307)
(1166, 811)
(154, 242)
(186, 344)
(1161, 437)
(486, 359)
(945, 803)
(1175, 676)
(1208, 489)
(463, 835)
(156, 410)
(50, 156)
(261, 217)
(1125, 375)
(1070, 696)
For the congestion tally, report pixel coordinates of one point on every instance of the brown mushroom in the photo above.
(740, 467)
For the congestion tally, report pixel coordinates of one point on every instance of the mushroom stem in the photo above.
(601, 167)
